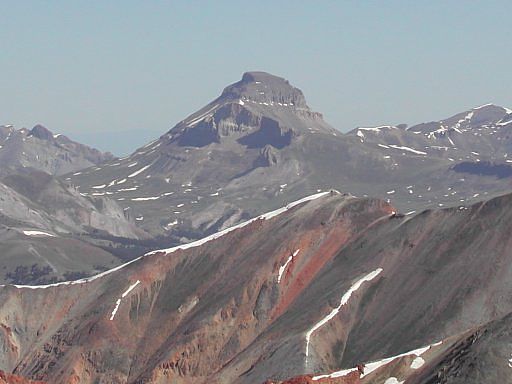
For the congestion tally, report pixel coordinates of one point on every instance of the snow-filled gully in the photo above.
(282, 268)
(344, 300)
(118, 302)
(373, 366)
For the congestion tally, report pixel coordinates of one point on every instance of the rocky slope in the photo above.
(41, 149)
(71, 231)
(49, 231)
(316, 287)
(6, 378)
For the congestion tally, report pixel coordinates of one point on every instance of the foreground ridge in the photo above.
(197, 243)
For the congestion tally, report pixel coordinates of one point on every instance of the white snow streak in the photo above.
(344, 300)
(408, 149)
(118, 302)
(202, 116)
(370, 367)
(37, 233)
(125, 293)
(283, 267)
(145, 198)
(130, 288)
(139, 171)
(333, 375)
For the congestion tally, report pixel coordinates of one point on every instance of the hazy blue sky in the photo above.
(117, 74)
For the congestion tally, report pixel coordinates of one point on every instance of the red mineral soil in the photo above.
(351, 378)
(330, 246)
(7, 378)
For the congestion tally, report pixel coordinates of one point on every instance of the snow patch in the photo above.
(37, 234)
(393, 380)
(417, 363)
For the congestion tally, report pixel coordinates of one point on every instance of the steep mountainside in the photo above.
(258, 146)
(305, 291)
(49, 231)
(40, 149)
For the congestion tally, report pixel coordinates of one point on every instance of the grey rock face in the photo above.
(266, 88)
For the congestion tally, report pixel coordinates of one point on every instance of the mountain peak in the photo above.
(264, 87)
(41, 132)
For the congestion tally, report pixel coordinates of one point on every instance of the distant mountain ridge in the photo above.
(41, 149)
(48, 230)
(259, 144)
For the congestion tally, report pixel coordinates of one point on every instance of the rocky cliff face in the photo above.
(265, 88)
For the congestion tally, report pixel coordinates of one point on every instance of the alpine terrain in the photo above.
(255, 243)
(258, 146)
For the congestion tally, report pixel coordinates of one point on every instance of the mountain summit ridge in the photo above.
(264, 87)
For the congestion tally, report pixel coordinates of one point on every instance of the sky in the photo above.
(117, 74)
